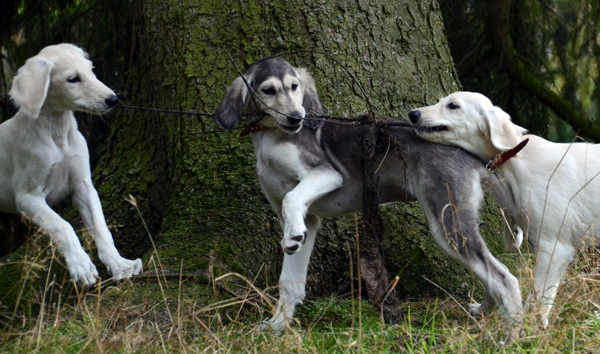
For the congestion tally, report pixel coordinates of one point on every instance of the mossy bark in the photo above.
(199, 194)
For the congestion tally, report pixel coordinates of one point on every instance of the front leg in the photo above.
(87, 202)
(79, 264)
(295, 205)
(292, 281)
(554, 257)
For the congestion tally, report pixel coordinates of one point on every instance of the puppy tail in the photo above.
(504, 197)
(519, 237)
(512, 242)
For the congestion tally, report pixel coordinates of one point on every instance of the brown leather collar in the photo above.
(504, 156)
(252, 129)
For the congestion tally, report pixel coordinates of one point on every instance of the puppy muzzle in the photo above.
(295, 122)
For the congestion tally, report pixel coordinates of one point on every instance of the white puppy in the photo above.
(44, 158)
(552, 190)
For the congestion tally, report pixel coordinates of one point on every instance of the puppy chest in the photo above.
(281, 161)
(57, 182)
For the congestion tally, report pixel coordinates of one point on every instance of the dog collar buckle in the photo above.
(504, 156)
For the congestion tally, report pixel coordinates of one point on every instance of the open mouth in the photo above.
(429, 130)
(291, 128)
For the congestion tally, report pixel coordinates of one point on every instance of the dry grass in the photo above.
(187, 314)
(179, 312)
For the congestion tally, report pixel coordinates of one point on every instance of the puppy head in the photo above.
(60, 78)
(468, 120)
(286, 94)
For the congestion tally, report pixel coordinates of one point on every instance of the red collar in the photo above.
(504, 156)
(252, 129)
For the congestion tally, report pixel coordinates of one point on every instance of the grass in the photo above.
(182, 313)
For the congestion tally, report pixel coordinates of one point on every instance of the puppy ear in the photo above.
(310, 101)
(30, 86)
(229, 113)
(503, 134)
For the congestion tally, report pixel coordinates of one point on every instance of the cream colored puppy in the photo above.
(44, 158)
(553, 189)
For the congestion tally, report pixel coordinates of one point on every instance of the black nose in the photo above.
(414, 116)
(112, 101)
(294, 118)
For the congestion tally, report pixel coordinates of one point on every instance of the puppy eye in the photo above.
(294, 87)
(269, 91)
(74, 79)
(453, 106)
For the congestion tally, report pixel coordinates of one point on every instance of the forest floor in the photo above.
(188, 313)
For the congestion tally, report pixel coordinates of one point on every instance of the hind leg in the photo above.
(501, 286)
(480, 310)
(455, 228)
(489, 302)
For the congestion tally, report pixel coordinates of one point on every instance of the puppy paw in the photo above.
(514, 333)
(292, 244)
(83, 272)
(476, 311)
(122, 268)
(276, 327)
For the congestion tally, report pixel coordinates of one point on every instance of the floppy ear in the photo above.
(229, 113)
(503, 134)
(310, 101)
(30, 86)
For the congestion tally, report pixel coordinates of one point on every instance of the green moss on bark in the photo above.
(199, 193)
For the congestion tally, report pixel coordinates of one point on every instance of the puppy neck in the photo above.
(479, 146)
(58, 122)
(489, 151)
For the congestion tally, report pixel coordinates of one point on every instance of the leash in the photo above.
(252, 127)
(166, 111)
(256, 116)
(504, 156)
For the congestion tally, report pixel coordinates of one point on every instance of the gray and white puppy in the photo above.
(311, 169)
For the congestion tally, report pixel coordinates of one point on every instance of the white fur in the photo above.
(44, 158)
(553, 189)
(288, 183)
(291, 189)
(288, 99)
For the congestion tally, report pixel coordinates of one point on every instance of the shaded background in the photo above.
(199, 194)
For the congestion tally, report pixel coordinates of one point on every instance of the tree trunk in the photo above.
(199, 194)
(372, 262)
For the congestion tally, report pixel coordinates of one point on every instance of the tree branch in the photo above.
(498, 25)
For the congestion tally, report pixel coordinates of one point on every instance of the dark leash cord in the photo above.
(256, 116)
(253, 118)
